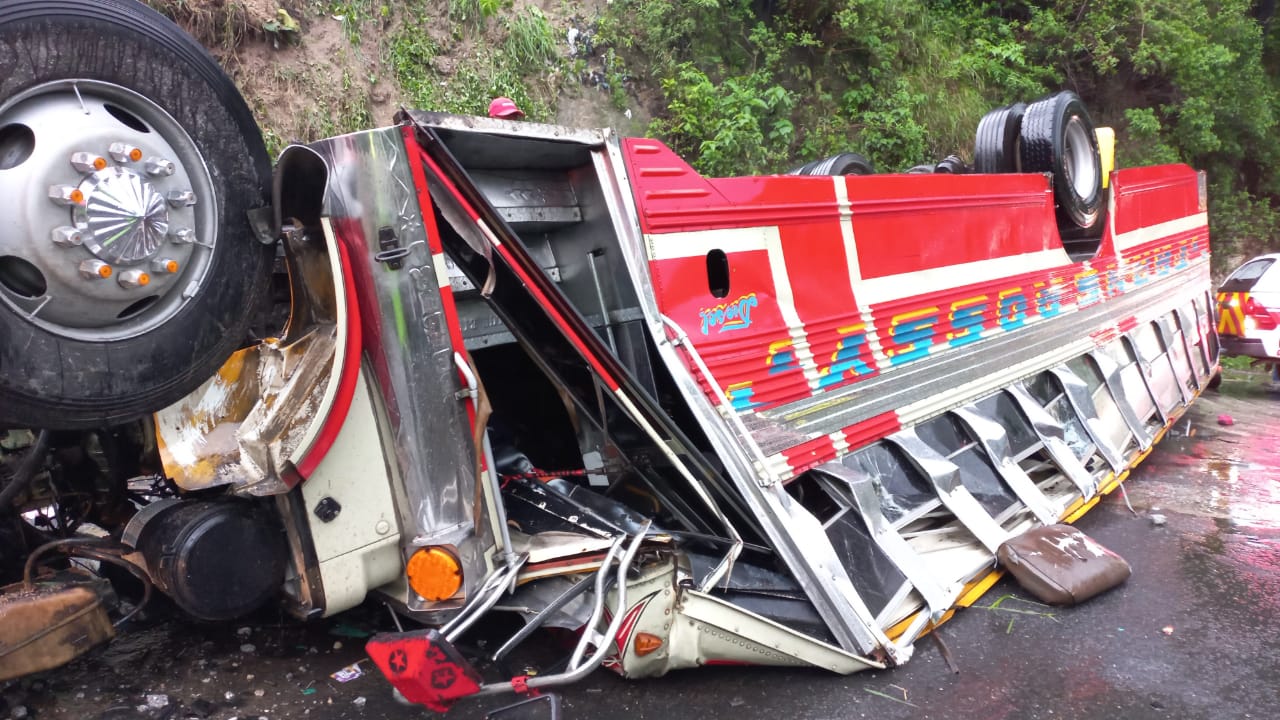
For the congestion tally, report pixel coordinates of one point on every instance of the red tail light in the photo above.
(1261, 316)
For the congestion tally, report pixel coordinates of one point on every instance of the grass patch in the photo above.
(474, 14)
(531, 41)
(1237, 362)
(220, 28)
(326, 115)
(524, 66)
(411, 54)
(354, 14)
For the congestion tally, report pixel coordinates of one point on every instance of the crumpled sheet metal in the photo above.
(242, 425)
(264, 406)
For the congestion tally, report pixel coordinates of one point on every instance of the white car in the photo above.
(1249, 309)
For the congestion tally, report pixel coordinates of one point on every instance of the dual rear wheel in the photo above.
(1055, 136)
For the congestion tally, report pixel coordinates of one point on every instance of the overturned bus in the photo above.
(795, 419)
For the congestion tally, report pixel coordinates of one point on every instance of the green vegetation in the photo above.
(747, 86)
(355, 13)
(473, 12)
(759, 85)
(1238, 362)
(524, 65)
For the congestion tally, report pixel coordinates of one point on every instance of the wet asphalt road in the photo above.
(1190, 635)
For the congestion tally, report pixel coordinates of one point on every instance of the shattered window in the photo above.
(945, 435)
(1189, 323)
(876, 578)
(1148, 342)
(874, 575)
(1047, 390)
(1151, 348)
(901, 487)
(1171, 323)
(1110, 420)
(1005, 411)
(1133, 385)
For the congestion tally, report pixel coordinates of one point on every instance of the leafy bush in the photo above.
(758, 86)
(740, 125)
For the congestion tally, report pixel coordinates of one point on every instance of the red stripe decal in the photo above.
(629, 624)
(350, 374)
(810, 453)
(433, 243)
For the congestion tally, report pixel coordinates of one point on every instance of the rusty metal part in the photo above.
(49, 624)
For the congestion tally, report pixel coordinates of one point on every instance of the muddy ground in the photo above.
(1190, 635)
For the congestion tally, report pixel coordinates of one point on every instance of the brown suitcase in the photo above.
(1061, 565)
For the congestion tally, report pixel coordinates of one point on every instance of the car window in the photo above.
(1270, 280)
(1243, 279)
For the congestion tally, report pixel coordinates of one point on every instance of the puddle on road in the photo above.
(1229, 475)
(1229, 472)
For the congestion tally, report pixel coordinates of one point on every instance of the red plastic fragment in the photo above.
(520, 684)
(425, 667)
(1226, 420)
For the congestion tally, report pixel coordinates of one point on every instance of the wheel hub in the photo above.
(108, 216)
(124, 219)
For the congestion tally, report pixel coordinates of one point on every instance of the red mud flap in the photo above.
(427, 669)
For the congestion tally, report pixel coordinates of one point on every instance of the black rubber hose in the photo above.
(104, 557)
(26, 471)
(33, 560)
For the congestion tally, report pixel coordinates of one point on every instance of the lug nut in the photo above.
(95, 270)
(164, 266)
(159, 167)
(182, 235)
(124, 152)
(66, 195)
(130, 279)
(181, 198)
(85, 162)
(66, 236)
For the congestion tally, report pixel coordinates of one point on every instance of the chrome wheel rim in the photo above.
(108, 217)
(1080, 162)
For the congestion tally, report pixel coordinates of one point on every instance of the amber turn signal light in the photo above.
(434, 573)
(646, 643)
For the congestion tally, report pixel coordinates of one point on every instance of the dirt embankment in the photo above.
(314, 69)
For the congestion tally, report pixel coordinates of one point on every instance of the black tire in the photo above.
(1216, 381)
(847, 163)
(804, 169)
(1058, 138)
(50, 380)
(995, 148)
(951, 165)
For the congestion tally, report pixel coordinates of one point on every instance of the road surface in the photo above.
(1190, 635)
